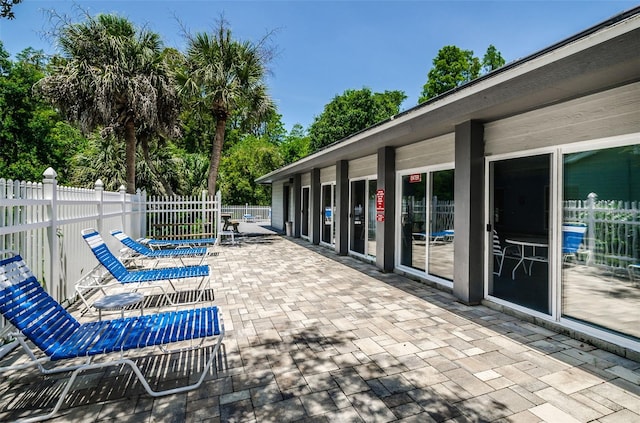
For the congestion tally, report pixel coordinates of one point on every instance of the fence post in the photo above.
(99, 189)
(123, 205)
(216, 213)
(50, 192)
(203, 210)
(591, 226)
(143, 214)
(134, 220)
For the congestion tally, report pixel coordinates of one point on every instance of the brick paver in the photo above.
(314, 337)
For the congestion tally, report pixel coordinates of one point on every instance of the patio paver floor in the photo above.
(316, 337)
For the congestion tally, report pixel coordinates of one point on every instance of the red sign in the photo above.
(416, 177)
(380, 200)
(380, 217)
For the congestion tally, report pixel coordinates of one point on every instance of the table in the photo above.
(228, 222)
(118, 301)
(522, 245)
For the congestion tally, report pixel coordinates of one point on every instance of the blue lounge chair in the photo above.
(156, 244)
(43, 321)
(572, 240)
(142, 251)
(441, 236)
(146, 278)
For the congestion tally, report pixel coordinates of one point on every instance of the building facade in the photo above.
(519, 190)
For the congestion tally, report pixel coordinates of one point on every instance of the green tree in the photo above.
(492, 59)
(99, 160)
(224, 76)
(32, 135)
(192, 172)
(453, 67)
(6, 8)
(295, 145)
(113, 76)
(102, 158)
(351, 112)
(239, 168)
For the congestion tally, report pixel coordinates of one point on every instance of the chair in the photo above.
(124, 276)
(155, 244)
(442, 236)
(43, 321)
(146, 252)
(572, 238)
(500, 253)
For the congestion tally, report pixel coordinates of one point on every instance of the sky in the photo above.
(326, 47)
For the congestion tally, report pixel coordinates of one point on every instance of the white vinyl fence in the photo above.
(613, 229)
(179, 217)
(249, 213)
(42, 222)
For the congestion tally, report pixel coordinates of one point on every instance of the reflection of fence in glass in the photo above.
(613, 229)
(371, 235)
(442, 213)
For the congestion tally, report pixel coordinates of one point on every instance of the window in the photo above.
(601, 238)
(426, 222)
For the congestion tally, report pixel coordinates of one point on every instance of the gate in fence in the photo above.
(179, 217)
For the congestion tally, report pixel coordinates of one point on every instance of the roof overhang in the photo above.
(603, 57)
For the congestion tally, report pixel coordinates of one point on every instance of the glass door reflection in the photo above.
(357, 217)
(328, 213)
(520, 233)
(441, 231)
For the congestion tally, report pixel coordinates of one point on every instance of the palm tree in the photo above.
(115, 77)
(223, 76)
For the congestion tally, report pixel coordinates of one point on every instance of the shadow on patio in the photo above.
(312, 336)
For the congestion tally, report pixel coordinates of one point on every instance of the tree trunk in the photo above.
(130, 142)
(216, 152)
(144, 142)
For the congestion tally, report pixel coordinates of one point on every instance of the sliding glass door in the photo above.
(441, 211)
(328, 214)
(520, 235)
(304, 212)
(601, 238)
(426, 222)
(362, 217)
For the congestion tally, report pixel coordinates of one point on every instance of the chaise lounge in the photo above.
(43, 321)
(146, 278)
